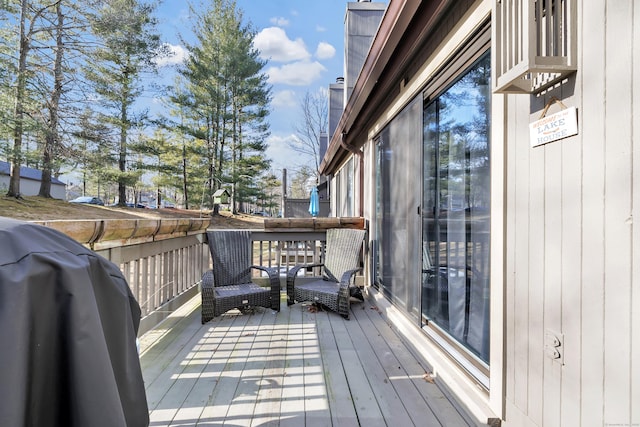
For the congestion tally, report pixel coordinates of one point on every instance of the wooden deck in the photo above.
(296, 368)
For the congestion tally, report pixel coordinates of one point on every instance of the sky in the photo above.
(303, 42)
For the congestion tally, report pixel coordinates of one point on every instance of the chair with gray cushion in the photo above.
(341, 260)
(229, 285)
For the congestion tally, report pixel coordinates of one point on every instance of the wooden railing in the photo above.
(164, 260)
(160, 271)
(285, 242)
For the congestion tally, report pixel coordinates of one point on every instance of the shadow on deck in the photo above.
(296, 367)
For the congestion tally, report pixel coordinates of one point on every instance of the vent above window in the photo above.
(535, 43)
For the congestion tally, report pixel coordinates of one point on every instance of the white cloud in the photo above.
(284, 99)
(325, 51)
(279, 21)
(323, 91)
(280, 141)
(283, 156)
(274, 44)
(320, 29)
(176, 55)
(299, 73)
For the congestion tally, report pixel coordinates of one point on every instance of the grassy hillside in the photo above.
(33, 208)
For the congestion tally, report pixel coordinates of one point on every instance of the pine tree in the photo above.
(129, 42)
(66, 40)
(227, 99)
(51, 131)
(29, 14)
(163, 158)
(8, 36)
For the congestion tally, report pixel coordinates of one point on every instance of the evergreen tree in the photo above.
(51, 131)
(7, 71)
(93, 154)
(163, 158)
(225, 100)
(66, 40)
(128, 44)
(29, 16)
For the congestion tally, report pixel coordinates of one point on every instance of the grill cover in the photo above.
(68, 326)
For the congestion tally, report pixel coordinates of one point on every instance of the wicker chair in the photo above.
(341, 260)
(229, 284)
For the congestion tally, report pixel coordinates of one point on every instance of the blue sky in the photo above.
(303, 43)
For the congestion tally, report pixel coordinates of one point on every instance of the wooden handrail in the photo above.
(312, 224)
(104, 233)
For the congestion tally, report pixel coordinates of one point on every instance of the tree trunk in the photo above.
(51, 139)
(122, 157)
(16, 156)
(185, 182)
(122, 164)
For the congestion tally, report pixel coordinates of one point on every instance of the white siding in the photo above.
(30, 187)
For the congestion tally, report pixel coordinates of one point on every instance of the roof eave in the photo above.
(381, 48)
(393, 27)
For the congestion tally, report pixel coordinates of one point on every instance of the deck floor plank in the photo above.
(211, 358)
(292, 368)
(168, 393)
(316, 404)
(292, 397)
(256, 338)
(343, 411)
(267, 410)
(158, 382)
(160, 347)
(406, 392)
(390, 403)
(363, 395)
(232, 362)
(415, 370)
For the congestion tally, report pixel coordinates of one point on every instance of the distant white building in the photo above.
(30, 181)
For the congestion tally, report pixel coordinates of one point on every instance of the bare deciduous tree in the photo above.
(314, 108)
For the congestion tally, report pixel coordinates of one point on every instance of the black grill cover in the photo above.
(68, 326)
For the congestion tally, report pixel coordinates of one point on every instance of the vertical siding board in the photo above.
(570, 240)
(510, 266)
(635, 309)
(552, 310)
(499, 258)
(592, 135)
(521, 283)
(536, 258)
(618, 257)
(571, 276)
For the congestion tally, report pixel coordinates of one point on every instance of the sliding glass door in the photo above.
(455, 211)
(397, 222)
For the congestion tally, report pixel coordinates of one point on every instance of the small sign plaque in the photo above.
(554, 127)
